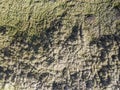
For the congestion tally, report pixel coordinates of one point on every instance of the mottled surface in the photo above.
(59, 44)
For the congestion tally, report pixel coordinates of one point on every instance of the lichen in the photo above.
(56, 44)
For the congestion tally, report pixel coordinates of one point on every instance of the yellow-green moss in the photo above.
(33, 17)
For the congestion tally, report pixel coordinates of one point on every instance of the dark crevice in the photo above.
(74, 33)
(89, 83)
(43, 75)
(81, 31)
(3, 30)
(119, 53)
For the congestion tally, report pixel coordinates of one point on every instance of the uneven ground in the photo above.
(59, 44)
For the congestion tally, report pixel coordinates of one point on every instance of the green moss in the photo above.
(30, 17)
(34, 18)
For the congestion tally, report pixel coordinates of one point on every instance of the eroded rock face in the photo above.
(60, 45)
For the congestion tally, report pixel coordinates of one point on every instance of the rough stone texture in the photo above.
(59, 44)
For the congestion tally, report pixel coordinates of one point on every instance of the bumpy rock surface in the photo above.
(59, 44)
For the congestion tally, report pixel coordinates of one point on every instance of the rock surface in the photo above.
(59, 44)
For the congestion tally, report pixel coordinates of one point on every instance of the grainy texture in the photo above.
(59, 44)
